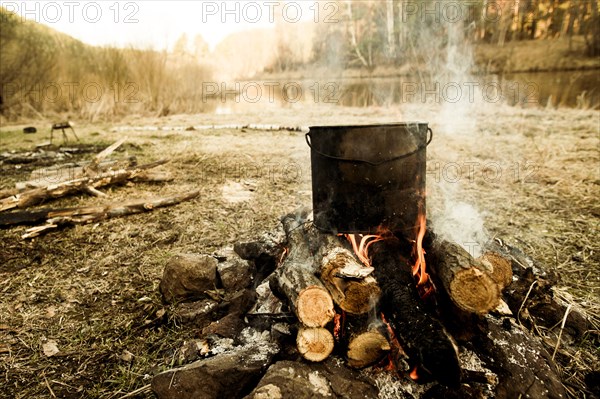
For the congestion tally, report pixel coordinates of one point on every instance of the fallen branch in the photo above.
(35, 196)
(94, 214)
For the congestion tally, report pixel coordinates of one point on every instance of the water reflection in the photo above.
(575, 89)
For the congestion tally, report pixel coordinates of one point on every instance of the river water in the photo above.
(571, 89)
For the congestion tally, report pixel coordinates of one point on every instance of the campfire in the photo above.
(358, 298)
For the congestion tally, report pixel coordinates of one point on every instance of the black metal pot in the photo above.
(367, 177)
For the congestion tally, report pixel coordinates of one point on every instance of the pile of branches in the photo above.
(65, 180)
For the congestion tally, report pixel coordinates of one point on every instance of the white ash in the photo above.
(266, 301)
(251, 339)
(391, 387)
(320, 383)
(470, 361)
(221, 345)
(260, 340)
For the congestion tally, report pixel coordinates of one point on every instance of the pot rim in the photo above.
(370, 125)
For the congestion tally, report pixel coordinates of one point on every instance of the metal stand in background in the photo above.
(62, 126)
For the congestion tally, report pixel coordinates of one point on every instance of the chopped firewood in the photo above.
(295, 279)
(315, 343)
(500, 269)
(350, 284)
(61, 189)
(367, 348)
(97, 213)
(466, 281)
(367, 342)
(422, 336)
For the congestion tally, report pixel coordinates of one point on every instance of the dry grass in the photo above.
(93, 289)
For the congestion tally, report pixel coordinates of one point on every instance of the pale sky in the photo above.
(160, 23)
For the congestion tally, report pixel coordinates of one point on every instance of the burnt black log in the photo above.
(531, 298)
(524, 368)
(422, 336)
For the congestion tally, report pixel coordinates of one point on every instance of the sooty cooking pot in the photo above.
(368, 176)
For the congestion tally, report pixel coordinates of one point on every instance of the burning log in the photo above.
(431, 351)
(467, 282)
(349, 282)
(524, 368)
(501, 270)
(295, 279)
(314, 344)
(367, 342)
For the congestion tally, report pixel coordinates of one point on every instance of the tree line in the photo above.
(393, 32)
(44, 72)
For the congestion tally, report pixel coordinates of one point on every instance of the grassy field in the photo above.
(533, 173)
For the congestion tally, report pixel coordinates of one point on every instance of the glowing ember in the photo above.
(338, 324)
(396, 347)
(413, 374)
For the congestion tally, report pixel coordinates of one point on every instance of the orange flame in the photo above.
(361, 243)
(418, 269)
(361, 249)
(424, 284)
(394, 343)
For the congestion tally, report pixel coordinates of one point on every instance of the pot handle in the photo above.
(307, 136)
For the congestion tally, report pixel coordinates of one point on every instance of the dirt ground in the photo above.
(533, 173)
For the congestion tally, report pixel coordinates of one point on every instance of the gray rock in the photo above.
(226, 375)
(198, 314)
(188, 276)
(286, 379)
(235, 273)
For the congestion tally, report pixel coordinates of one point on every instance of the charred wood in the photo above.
(523, 366)
(531, 297)
(286, 379)
(423, 337)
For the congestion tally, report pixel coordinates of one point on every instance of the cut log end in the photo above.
(314, 344)
(367, 348)
(500, 268)
(360, 298)
(474, 291)
(315, 307)
(349, 282)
